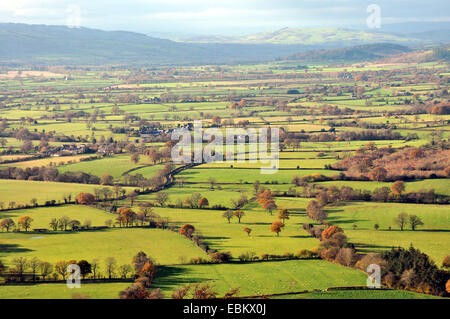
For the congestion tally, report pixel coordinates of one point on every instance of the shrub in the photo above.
(446, 262)
(370, 258)
(220, 257)
(346, 257)
(288, 255)
(85, 198)
(330, 231)
(198, 260)
(305, 254)
(247, 256)
(389, 280)
(329, 253)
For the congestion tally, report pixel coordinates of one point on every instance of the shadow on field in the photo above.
(11, 214)
(372, 247)
(213, 240)
(13, 248)
(341, 220)
(171, 276)
(434, 230)
(299, 236)
(297, 211)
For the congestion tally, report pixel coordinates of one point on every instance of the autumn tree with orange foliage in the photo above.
(148, 270)
(276, 227)
(85, 198)
(248, 231)
(330, 231)
(203, 202)
(128, 215)
(187, 230)
(447, 171)
(265, 196)
(397, 187)
(25, 222)
(446, 262)
(239, 214)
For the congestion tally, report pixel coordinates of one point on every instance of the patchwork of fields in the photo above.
(347, 139)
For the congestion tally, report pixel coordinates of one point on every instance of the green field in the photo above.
(433, 238)
(218, 234)
(288, 276)
(43, 215)
(49, 161)
(239, 176)
(359, 294)
(215, 197)
(164, 246)
(284, 163)
(114, 166)
(22, 192)
(263, 277)
(61, 291)
(440, 186)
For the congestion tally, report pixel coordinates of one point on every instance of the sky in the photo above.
(212, 17)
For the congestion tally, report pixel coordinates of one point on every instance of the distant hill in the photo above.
(22, 42)
(43, 44)
(435, 36)
(352, 54)
(309, 36)
(407, 28)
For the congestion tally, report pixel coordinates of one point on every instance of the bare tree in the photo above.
(111, 264)
(401, 220)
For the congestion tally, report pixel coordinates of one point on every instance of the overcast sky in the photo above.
(228, 17)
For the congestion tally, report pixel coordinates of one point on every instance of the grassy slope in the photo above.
(359, 294)
(43, 215)
(218, 234)
(254, 278)
(114, 165)
(164, 246)
(246, 175)
(61, 291)
(23, 191)
(440, 186)
(433, 238)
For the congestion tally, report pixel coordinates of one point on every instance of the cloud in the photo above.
(27, 7)
(210, 14)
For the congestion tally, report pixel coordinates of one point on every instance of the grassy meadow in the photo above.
(22, 192)
(164, 246)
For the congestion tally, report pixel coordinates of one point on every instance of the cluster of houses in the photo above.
(148, 132)
(152, 100)
(68, 149)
